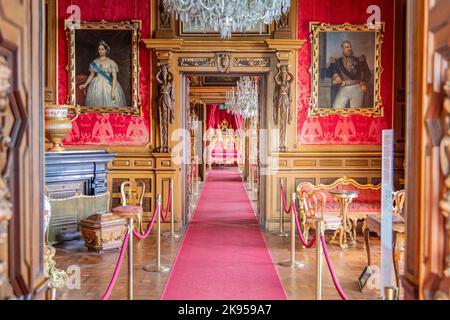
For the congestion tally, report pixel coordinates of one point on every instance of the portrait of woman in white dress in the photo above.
(102, 87)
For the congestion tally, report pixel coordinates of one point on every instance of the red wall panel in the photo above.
(109, 129)
(327, 130)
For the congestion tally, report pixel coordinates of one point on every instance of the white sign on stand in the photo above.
(386, 209)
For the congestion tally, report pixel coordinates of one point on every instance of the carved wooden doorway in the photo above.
(204, 93)
(427, 265)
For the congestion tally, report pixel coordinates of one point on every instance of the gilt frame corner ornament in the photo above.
(134, 26)
(376, 109)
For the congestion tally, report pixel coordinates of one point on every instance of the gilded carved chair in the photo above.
(132, 196)
(367, 203)
(312, 207)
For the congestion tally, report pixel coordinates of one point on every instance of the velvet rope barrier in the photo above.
(283, 197)
(150, 226)
(299, 230)
(112, 283)
(330, 267)
(165, 217)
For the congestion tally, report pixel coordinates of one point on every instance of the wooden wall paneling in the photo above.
(436, 256)
(51, 49)
(165, 171)
(399, 98)
(414, 146)
(133, 168)
(426, 276)
(21, 26)
(320, 167)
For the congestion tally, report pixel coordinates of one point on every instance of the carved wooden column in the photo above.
(443, 288)
(282, 115)
(285, 91)
(5, 196)
(165, 98)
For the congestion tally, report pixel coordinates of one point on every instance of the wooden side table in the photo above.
(373, 223)
(345, 197)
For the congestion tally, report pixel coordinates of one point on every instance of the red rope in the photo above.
(330, 267)
(117, 269)
(168, 205)
(283, 198)
(299, 230)
(150, 226)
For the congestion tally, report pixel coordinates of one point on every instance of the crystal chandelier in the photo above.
(243, 101)
(227, 16)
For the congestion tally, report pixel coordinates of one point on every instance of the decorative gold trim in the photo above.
(57, 277)
(196, 62)
(132, 25)
(315, 109)
(252, 62)
(341, 181)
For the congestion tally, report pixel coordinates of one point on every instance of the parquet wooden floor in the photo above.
(96, 269)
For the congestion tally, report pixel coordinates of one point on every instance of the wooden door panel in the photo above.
(428, 256)
(21, 247)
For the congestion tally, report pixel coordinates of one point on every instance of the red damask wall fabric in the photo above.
(108, 129)
(215, 115)
(349, 130)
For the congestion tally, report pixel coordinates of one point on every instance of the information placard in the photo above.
(386, 209)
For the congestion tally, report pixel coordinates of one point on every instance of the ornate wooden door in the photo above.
(21, 153)
(427, 265)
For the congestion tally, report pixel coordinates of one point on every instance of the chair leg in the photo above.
(139, 222)
(355, 224)
(306, 235)
(396, 251)
(364, 226)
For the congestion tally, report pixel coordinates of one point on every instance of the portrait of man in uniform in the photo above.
(346, 70)
(350, 76)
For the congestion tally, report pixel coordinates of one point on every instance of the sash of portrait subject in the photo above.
(103, 73)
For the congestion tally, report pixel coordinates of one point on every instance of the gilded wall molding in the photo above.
(196, 62)
(132, 26)
(252, 62)
(318, 110)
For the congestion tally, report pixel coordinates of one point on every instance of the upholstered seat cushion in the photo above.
(128, 211)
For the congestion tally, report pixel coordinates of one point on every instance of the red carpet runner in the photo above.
(224, 255)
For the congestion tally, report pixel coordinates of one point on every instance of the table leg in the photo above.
(355, 224)
(396, 252)
(367, 244)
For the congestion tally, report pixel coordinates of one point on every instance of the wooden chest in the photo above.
(103, 231)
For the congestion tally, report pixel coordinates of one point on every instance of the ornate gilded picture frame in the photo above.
(346, 69)
(104, 67)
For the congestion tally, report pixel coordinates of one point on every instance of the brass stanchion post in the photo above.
(196, 174)
(319, 230)
(158, 267)
(292, 263)
(281, 232)
(130, 258)
(172, 215)
(390, 293)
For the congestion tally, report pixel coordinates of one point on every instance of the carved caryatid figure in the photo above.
(165, 104)
(282, 103)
